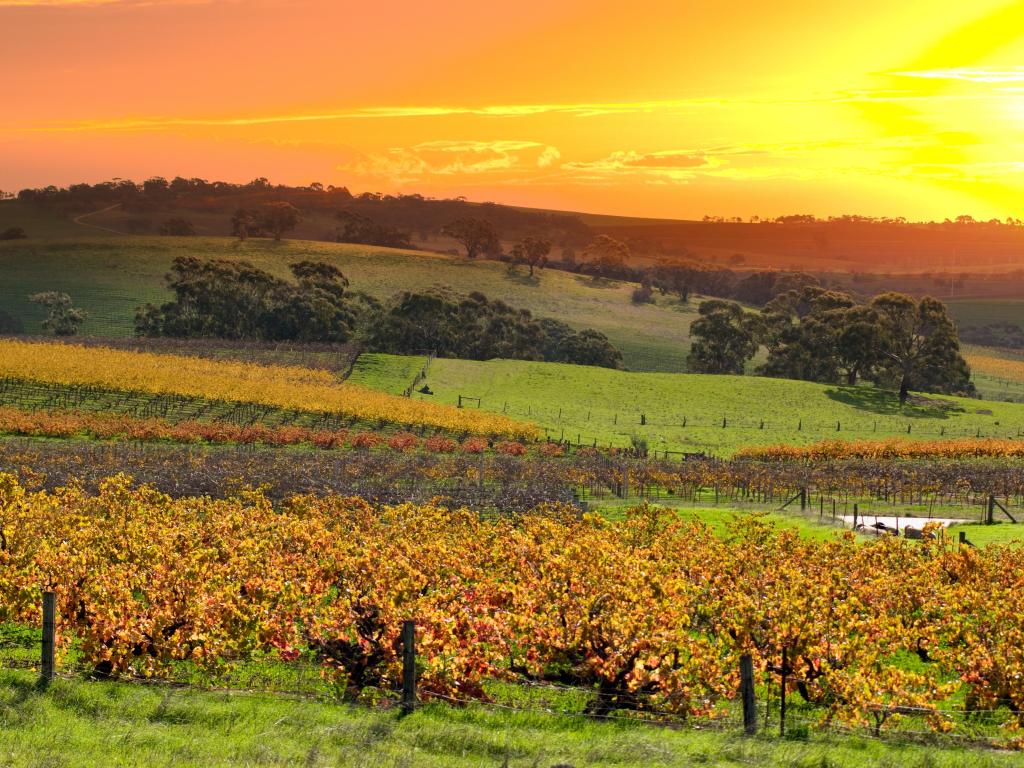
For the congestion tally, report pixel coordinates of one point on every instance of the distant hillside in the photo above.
(110, 275)
(961, 258)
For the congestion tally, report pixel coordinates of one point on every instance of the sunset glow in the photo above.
(663, 108)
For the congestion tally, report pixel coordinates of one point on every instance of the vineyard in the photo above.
(647, 617)
(279, 386)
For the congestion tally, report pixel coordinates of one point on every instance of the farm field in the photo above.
(111, 276)
(971, 312)
(998, 374)
(685, 412)
(279, 386)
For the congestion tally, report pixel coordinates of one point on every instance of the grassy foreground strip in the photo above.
(81, 723)
(284, 386)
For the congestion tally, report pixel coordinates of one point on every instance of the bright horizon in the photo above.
(655, 109)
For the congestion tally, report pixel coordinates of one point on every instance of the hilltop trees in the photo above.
(477, 236)
(477, 328)
(63, 318)
(357, 228)
(276, 219)
(724, 338)
(605, 257)
(826, 336)
(532, 251)
(921, 349)
(820, 335)
(242, 223)
(235, 300)
(270, 220)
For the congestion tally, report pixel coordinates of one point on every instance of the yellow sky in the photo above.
(646, 108)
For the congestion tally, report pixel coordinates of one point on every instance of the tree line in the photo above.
(815, 334)
(235, 300)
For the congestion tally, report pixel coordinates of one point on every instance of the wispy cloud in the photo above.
(501, 110)
(671, 164)
(94, 3)
(452, 158)
(969, 74)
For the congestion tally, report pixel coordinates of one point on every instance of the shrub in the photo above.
(365, 440)
(440, 444)
(13, 233)
(511, 448)
(177, 228)
(403, 441)
(474, 445)
(643, 294)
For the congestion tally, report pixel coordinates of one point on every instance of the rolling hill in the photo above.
(109, 276)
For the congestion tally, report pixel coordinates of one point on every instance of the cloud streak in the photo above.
(99, 3)
(968, 74)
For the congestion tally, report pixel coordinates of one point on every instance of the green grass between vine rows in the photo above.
(104, 724)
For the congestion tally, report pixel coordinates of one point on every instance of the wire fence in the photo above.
(765, 710)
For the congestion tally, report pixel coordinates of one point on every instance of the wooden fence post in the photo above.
(49, 633)
(782, 696)
(408, 666)
(747, 694)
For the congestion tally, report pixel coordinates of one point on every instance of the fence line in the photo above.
(740, 716)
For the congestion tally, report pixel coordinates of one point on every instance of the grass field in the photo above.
(685, 412)
(82, 723)
(111, 276)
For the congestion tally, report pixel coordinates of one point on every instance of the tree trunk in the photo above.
(904, 390)
(851, 377)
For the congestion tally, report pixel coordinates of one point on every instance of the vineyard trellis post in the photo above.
(747, 694)
(408, 666)
(782, 696)
(47, 667)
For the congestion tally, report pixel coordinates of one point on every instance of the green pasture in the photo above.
(88, 723)
(110, 276)
(692, 412)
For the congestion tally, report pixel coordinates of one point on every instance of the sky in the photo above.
(649, 108)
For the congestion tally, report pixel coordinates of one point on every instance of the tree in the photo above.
(474, 327)
(532, 251)
(725, 338)
(177, 227)
(235, 300)
(275, 219)
(605, 256)
(921, 347)
(859, 343)
(362, 229)
(9, 324)
(63, 318)
(476, 236)
(242, 223)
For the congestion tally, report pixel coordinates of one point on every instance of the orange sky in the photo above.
(645, 108)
